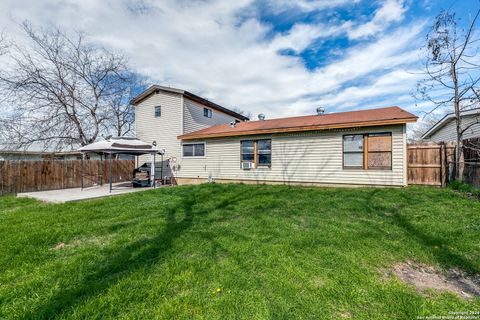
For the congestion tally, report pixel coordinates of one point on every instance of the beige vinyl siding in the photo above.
(449, 133)
(194, 120)
(302, 157)
(164, 129)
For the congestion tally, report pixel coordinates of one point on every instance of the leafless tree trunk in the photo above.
(64, 91)
(451, 72)
(3, 44)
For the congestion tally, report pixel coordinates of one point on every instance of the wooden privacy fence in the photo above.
(26, 176)
(428, 163)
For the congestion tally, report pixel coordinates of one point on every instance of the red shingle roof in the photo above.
(362, 118)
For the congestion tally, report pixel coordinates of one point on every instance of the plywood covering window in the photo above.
(379, 147)
(367, 151)
(257, 151)
(194, 150)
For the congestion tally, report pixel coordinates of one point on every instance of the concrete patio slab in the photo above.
(77, 194)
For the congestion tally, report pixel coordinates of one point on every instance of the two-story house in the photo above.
(163, 113)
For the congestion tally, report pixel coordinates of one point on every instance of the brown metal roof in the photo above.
(362, 118)
(156, 88)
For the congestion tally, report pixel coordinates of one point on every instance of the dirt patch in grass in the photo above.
(344, 315)
(59, 246)
(95, 241)
(317, 282)
(424, 277)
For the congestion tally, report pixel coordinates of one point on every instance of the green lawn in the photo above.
(234, 251)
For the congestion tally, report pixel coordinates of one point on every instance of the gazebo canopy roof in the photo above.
(123, 145)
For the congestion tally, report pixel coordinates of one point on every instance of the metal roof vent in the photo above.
(261, 117)
(320, 111)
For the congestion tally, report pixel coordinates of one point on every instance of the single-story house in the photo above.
(365, 147)
(205, 142)
(445, 129)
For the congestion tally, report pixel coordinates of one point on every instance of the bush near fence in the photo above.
(27, 176)
(471, 155)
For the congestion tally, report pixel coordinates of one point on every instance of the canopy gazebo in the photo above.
(123, 145)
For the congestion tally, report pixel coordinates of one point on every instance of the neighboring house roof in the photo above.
(362, 118)
(33, 148)
(446, 119)
(156, 88)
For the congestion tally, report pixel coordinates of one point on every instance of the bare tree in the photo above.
(451, 71)
(122, 114)
(65, 91)
(418, 129)
(247, 114)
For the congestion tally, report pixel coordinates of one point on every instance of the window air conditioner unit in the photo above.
(248, 165)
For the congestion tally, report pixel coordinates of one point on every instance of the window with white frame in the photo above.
(158, 111)
(194, 149)
(207, 112)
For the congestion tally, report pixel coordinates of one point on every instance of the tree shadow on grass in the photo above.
(130, 258)
(437, 246)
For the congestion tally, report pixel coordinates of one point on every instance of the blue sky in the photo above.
(277, 57)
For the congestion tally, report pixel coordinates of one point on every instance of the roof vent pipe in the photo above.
(261, 117)
(320, 111)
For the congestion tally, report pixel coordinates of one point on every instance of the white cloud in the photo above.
(279, 6)
(204, 47)
(387, 85)
(390, 11)
(301, 36)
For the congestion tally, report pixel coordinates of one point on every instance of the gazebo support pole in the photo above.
(101, 169)
(161, 170)
(81, 169)
(110, 169)
(152, 170)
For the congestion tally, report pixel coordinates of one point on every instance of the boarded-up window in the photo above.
(379, 147)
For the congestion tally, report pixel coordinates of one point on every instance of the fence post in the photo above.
(442, 165)
(111, 155)
(81, 170)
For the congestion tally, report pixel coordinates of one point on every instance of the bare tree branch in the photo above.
(448, 68)
(65, 91)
